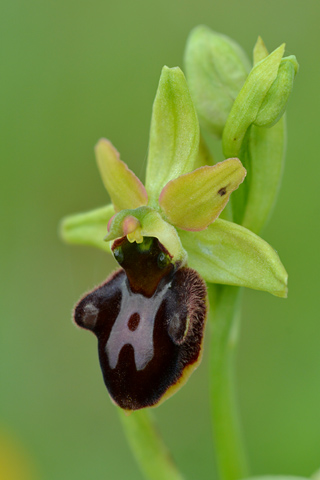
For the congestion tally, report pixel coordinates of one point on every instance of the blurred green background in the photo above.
(73, 72)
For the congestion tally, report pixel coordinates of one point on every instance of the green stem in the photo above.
(147, 446)
(224, 319)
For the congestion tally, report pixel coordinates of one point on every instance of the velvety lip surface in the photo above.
(146, 343)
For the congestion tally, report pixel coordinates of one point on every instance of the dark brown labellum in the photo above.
(149, 319)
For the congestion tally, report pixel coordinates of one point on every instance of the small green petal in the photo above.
(229, 254)
(194, 200)
(149, 223)
(216, 69)
(87, 228)
(247, 104)
(174, 134)
(124, 188)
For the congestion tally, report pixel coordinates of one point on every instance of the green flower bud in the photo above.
(249, 101)
(262, 150)
(216, 69)
(275, 102)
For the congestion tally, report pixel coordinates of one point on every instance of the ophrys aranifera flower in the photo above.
(149, 316)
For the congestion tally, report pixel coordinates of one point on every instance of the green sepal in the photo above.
(124, 188)
(275, 102)
(229, 254)
(216, 69)
(174, 133)
(151, 224)
(194, 200)
(87, 228)
(247, 104)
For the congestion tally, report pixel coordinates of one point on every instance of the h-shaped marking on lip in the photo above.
(141, 338)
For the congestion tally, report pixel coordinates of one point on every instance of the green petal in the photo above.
(216, 69)
(149, 223)
(124, 188)
(247, 104)
(174, 134)
(230, 254)
(194, 200)
(87, 228)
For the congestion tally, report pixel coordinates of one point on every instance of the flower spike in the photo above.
(149, 316)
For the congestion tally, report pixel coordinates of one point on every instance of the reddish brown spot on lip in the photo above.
(134, 321)
(222, 191)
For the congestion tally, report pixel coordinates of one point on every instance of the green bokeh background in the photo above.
(73, 72)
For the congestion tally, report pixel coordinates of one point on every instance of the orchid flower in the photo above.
(168, 239)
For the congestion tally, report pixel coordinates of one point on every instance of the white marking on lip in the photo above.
(141, 338)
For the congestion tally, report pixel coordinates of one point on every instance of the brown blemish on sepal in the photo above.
(222, 191)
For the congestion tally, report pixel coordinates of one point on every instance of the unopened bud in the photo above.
(216, 69)
(275, 102)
